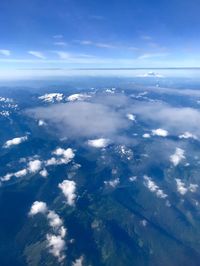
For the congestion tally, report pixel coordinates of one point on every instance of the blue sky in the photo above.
(106, 33)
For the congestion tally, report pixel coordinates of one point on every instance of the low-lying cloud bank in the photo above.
(96, 119)
(176, 120)
(105, 116)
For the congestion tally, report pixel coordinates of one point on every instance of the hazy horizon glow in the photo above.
(92, 34)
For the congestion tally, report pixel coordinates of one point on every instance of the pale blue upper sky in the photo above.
(104, 33)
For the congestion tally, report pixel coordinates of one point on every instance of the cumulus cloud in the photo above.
(178, 156)
(132, 178)
(34, 166)
(55, 242)
(112, 183)
(68, 188)
(187, 135)
(38, 207)
(160, 132)
(7, 177)
(98, 143)
(131, 117)
(78, 262)
(56, 245)
(146, 135)
(63, 156)
(41, 123)
(153, 187)
(181, 188)
(21, 173)
(15, 141)
(44, 172)
(193, 188)
(68, 154)
(54, 220)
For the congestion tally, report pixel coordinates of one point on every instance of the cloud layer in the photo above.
(84, 119)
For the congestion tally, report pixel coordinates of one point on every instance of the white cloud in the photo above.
(78, 97)
(150, 75)
(21, 173)
(68, 188)
(131, 117)
(54, 220)
(15, 141)
(85, 119)
(160, 132)
(37, 54)
(146, 135)
(52, 97)
(193, 187)
(34, 166)
(187, 135)
(64, 156)
(181, 187)
(125, 152)
(78, 262)
(38, 207)
(57, 245)
(112, 183)
(7, 177)
(98, 143)
(178, 156)
(132, 178)
(144, 222)
(41, 123)
(52, 161)
(5, 52)
(68, 154)
(153, 187)
(44, 172)
(55, 242)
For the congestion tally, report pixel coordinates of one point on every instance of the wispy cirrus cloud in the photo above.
(62, 54)
(146, 37)
(152, 55)
(5, 52)
(58, 36)
(37, 54)
(60, 43)
(98, 44)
